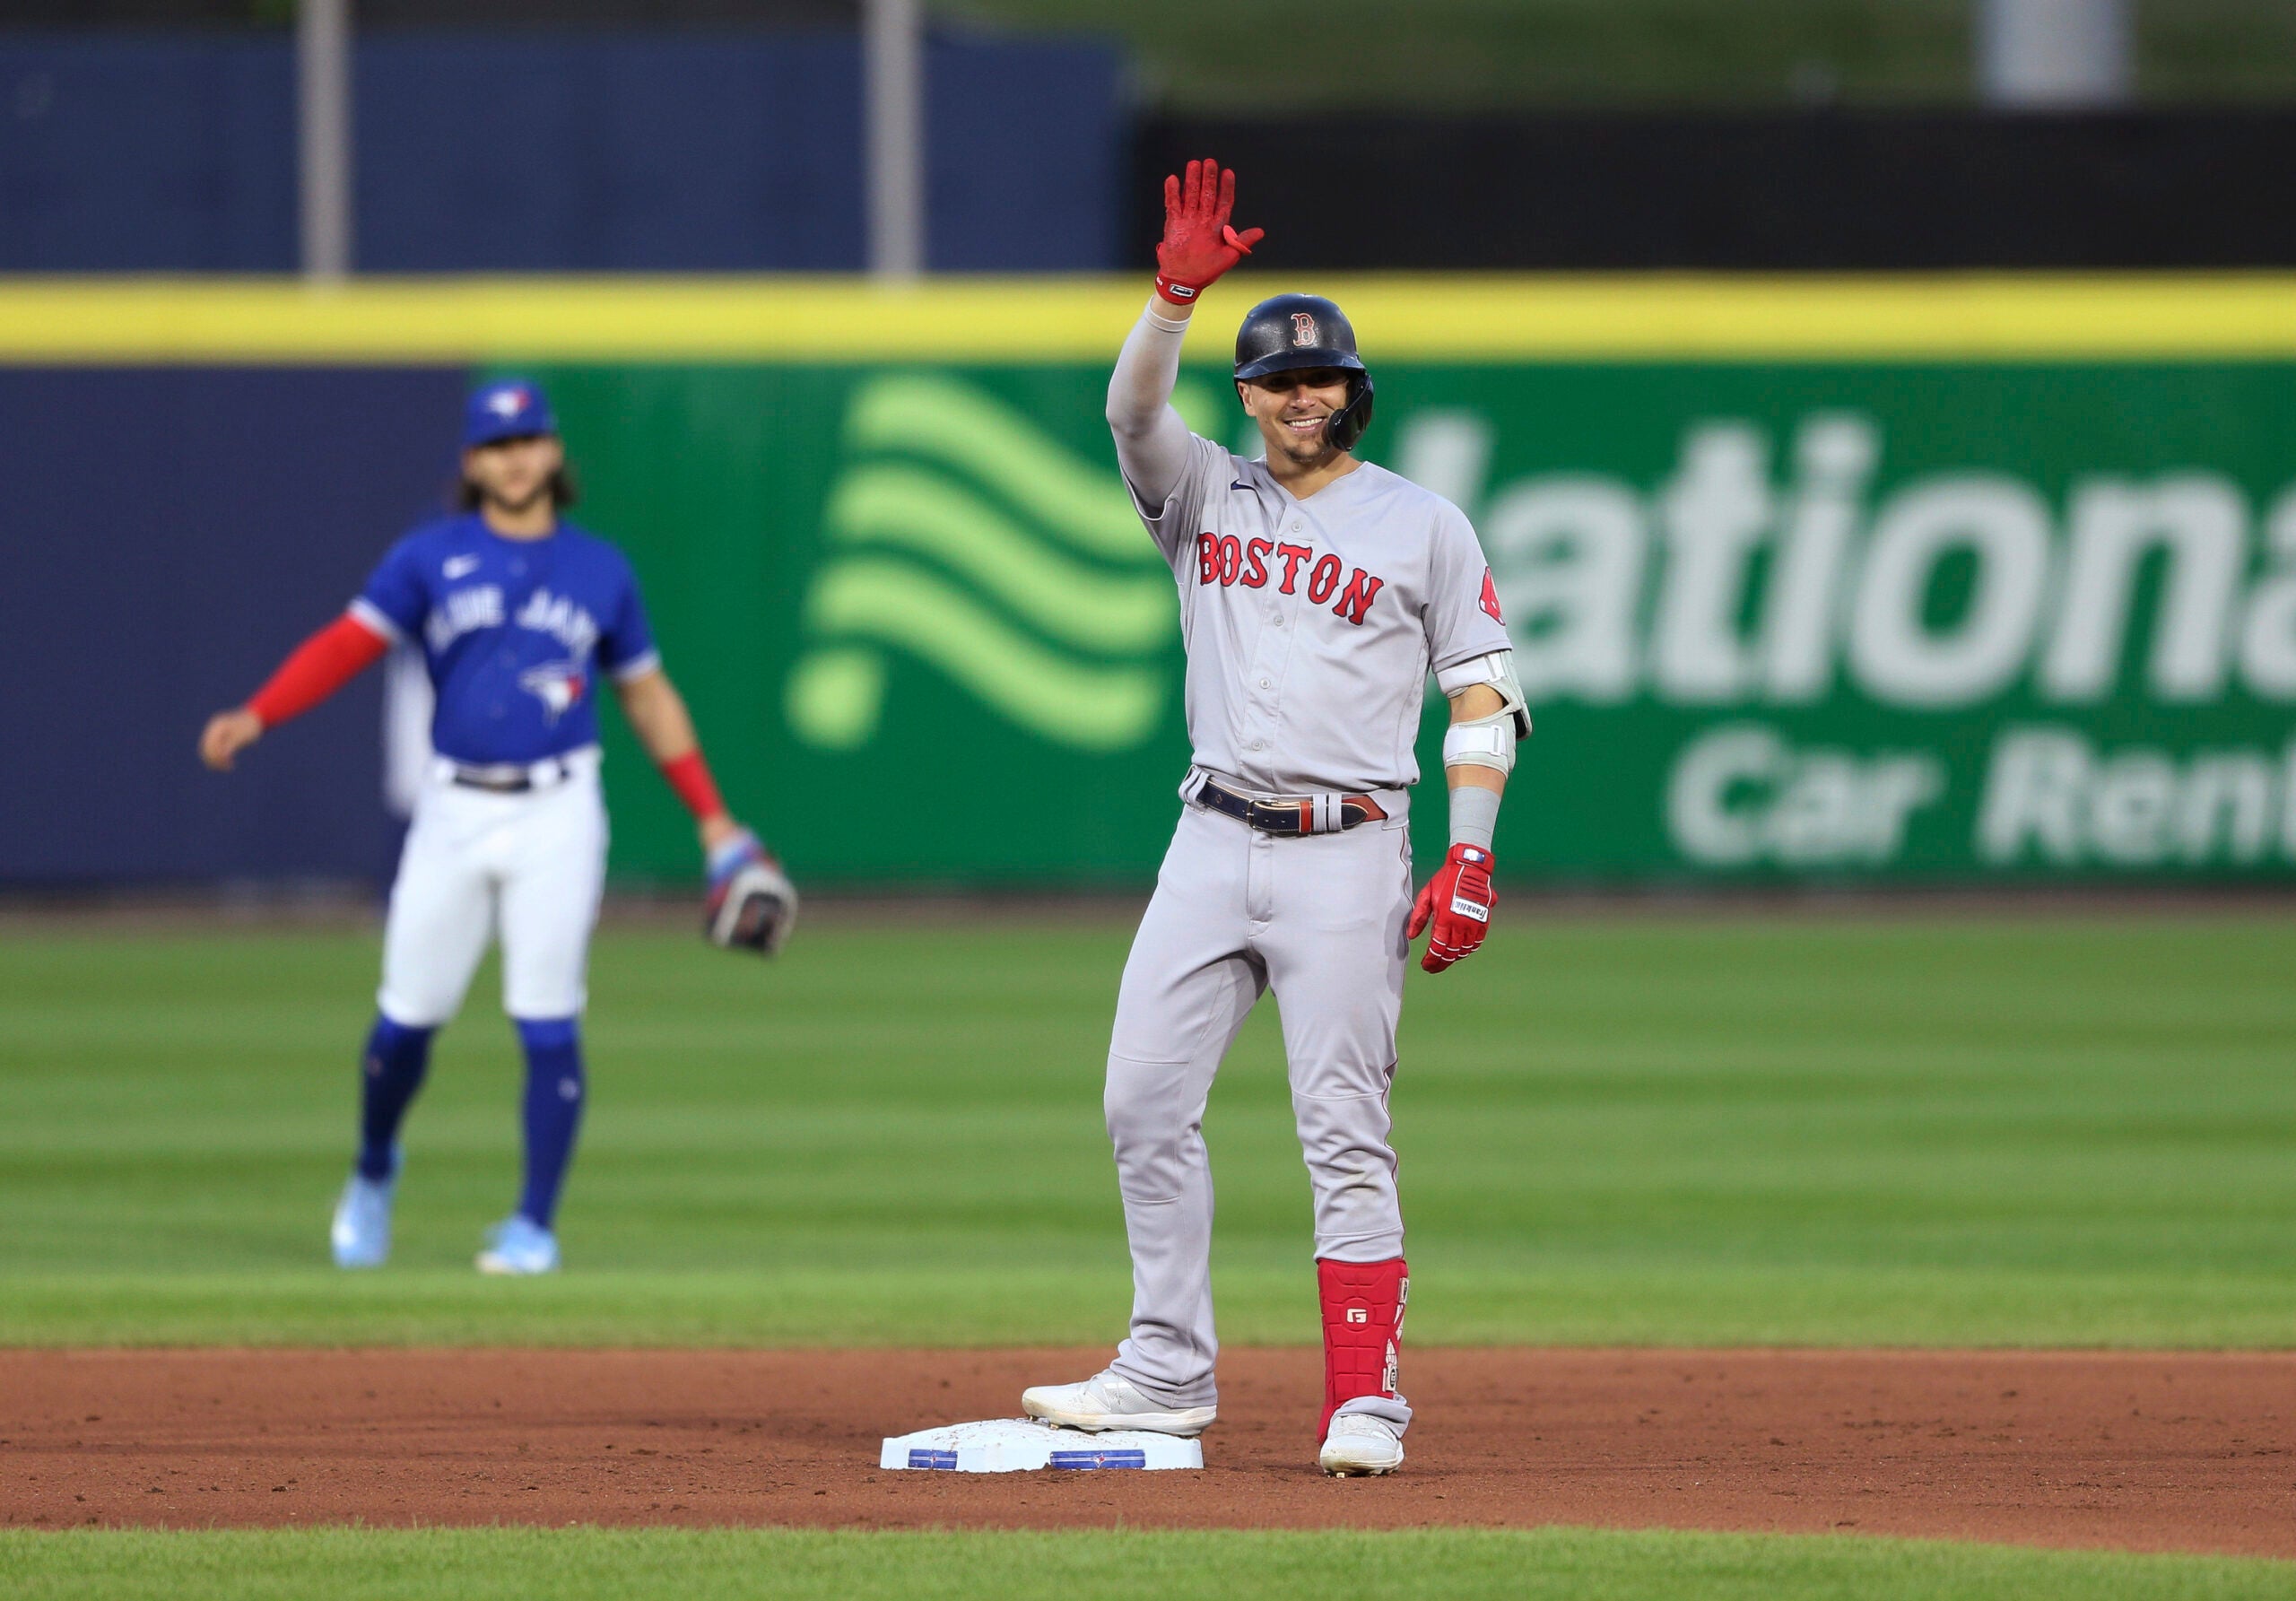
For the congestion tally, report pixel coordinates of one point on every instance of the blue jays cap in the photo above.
(511, 409)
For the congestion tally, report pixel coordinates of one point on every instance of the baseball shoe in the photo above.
(1360, 1444)
(360, 1233)
(518, 1245)
(1105, 1401)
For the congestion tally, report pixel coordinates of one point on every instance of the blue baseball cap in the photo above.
(511, 409)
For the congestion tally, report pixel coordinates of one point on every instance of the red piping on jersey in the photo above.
(689, 776)
(318, 667)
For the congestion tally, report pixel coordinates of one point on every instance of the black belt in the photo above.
(514, 780)
(1306, 814)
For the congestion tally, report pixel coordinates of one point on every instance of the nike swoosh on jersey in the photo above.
(456, 567)
(1239, 483)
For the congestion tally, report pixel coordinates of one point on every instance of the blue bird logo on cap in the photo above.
(510, 410)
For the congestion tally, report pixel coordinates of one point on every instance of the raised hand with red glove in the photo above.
(1198, 244)
(1458, 900)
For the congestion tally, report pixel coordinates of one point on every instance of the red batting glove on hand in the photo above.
(1199, 245)
(1458, 900)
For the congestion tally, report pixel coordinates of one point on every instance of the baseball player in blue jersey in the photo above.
(519, 616)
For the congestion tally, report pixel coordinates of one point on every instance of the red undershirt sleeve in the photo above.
(318, 666)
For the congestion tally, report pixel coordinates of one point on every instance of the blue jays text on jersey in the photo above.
(515, 633)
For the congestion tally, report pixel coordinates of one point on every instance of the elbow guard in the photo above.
(1486, 741)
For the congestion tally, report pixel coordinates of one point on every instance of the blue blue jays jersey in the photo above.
(516, 632)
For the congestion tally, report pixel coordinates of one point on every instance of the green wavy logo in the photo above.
(961, 536)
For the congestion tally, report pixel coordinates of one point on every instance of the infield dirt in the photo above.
(2143, 1451)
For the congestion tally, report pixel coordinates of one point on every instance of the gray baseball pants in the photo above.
(1319, 918)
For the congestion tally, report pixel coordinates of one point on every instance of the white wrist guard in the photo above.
(1486, 741)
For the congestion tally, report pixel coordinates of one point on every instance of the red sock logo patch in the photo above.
(1363, 1308)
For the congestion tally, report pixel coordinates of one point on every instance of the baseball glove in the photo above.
(753, 905)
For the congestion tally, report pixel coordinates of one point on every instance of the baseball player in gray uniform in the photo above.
(1317, 591)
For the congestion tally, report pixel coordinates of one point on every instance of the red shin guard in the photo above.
(1364, 1304)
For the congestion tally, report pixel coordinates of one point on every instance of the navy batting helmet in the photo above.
(1291, 333)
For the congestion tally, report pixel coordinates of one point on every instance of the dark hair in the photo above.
(563, 491)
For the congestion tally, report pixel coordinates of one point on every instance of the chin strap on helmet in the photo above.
(1346, 425)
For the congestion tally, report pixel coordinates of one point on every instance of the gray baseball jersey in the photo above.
(1311, 625)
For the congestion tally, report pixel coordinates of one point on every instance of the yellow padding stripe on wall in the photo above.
(1469, 319)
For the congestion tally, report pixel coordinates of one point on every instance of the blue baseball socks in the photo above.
(553, 1110)
(397, 1058)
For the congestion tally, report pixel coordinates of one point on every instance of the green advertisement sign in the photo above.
(1941, 621)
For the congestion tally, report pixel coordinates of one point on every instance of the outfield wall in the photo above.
(542, 149)
(1948, 580)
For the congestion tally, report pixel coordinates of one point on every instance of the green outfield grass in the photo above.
(1426, 1565)
(1928, 1129)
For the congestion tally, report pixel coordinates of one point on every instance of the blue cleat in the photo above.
(519, 1245)
(361, 1231)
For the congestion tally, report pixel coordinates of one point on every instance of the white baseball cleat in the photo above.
(518, 1246)
(1360, 1444)
(1105, 1401)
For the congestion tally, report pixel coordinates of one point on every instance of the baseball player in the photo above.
(518, 616)
(1317, 591)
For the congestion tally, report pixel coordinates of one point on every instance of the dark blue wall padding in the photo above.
(1030, 149)
(688, 152)
(167, 535)
(601, 155)
(146, 154)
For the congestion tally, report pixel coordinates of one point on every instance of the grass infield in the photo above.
(1933, 1129)
(1427, 1565)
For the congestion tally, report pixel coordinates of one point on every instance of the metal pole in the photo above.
(892, 48)
(2054, 55)
(323, 130)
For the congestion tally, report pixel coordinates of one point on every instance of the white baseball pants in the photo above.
(531, 865)
(1319, 919)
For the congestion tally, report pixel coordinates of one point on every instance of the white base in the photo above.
(1017, 1444)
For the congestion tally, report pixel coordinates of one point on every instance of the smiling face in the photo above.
(1292, 408)
(514, 473)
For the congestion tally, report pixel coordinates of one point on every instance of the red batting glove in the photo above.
(1199, 245)
(1458, 900)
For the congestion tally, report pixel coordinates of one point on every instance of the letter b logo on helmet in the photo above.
(1292, 333)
